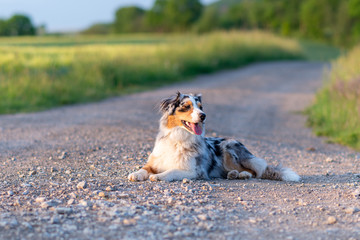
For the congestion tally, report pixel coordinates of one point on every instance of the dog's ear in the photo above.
(198, 96)
(169, 104)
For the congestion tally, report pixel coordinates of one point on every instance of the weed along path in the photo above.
(64, 171)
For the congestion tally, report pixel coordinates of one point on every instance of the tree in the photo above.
(174, 15)
(4, 29)
(129, 19)
(290, 20)
(318, 18)
(20, 25)
(354, 12)
(209, 21)
(234, 16)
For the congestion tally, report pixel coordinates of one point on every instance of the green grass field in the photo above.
(42, 72)
(336, 111)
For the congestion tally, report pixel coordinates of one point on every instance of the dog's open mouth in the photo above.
(194, 128)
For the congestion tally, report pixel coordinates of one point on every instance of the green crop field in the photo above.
(42, 72)
(336, 111)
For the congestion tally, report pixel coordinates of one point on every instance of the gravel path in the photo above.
(63, 172)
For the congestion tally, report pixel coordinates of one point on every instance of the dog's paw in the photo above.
(161, 177)
(140, 175)
(233, 174)
(154, 178)
(244, 175)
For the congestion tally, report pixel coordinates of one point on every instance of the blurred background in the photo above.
(54, 53)
(332, 21)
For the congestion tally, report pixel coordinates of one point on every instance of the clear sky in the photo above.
(69, 15)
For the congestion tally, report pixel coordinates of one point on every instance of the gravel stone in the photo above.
(82, 185)
(51, 203)
(129, 222)
(331, 220)
(356, 193)
(63, 155)
(123, 195)
(73, 195)
(185, 180)
(170, 200)
(64, 210)
(27, 225)
(85, 203)
(351, 210)
(40, 199)
(203, 217)
(55, 220)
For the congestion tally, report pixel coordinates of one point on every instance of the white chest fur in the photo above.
(175, 150)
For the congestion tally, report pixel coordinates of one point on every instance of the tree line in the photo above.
(17, 25)
(332, 21)
(164, 16)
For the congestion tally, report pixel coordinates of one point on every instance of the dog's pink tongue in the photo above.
(196, 128)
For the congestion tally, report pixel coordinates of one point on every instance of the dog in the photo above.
(182, 151)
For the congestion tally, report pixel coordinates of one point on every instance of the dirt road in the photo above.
(63, 172)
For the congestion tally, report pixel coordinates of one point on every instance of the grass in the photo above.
(316, 51)
(42, 72)
(336, 111)
(76, 40)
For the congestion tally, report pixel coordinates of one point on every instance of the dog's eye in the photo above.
(184, 108)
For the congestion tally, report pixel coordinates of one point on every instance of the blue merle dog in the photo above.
(182, 151)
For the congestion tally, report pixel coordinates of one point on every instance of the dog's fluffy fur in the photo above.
(181, 150)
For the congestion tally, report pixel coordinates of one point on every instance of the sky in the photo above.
(69, 15)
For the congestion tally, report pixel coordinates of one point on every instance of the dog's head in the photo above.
(185, 111)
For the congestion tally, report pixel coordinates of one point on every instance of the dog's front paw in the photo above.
(140, 175)
(154, 178)
(160, 177)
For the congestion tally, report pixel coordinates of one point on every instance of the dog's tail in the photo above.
(280, 173)
(262, 170)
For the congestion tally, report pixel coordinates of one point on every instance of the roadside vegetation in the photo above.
(39, 73)
(336, 111)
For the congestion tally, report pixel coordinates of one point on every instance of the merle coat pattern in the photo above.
(182, 151)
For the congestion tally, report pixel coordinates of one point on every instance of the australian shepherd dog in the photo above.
(182, 151)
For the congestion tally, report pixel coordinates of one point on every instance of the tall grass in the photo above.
(39, 73)
(336, 111)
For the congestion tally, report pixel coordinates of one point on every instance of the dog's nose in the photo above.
(202, 116)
